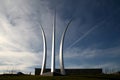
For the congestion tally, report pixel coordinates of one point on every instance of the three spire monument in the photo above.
(62, 70)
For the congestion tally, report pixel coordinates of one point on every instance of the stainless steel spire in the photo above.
(53, 45)
(53, 48)
(44, 50)
(61, 50)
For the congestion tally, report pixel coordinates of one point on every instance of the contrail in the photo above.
(93, 28)
(88, 32)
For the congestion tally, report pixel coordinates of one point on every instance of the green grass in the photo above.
(77, 77)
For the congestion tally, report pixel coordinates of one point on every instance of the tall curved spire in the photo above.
(44, 50)
(53, 45)
(61, 49)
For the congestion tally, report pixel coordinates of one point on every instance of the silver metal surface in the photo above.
(53, 45)
(61, 50)
(44, 51)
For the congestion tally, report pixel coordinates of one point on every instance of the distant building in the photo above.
(74, 71)
(117, 72)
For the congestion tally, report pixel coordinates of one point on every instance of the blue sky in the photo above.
(92, 39)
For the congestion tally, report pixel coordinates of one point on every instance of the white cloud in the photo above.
(93, 58)
(20, 32)
(92, 52)
(20, 35)
(19, 60)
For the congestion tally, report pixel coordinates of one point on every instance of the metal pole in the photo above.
(53, 45)
(61, 50)
(44, 50)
